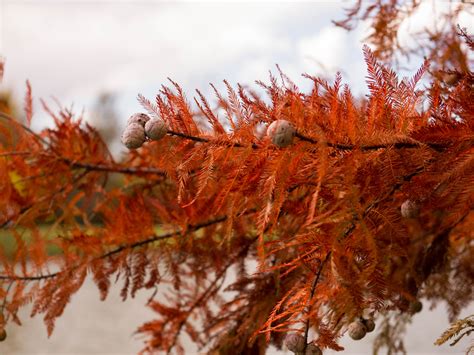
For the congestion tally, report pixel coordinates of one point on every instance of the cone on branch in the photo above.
(369, 325)
(134, 136)
(357, 330)
(410, 209)
(281, 133)
(312, 349)
(140, 118)
(3, 334)
(295, 342)
(415, 307)
(155, 129)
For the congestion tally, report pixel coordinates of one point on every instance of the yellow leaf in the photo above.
(17, 182)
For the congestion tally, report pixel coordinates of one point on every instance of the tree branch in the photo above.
(339, 146)
(396, 145)
(155, 238)
(113, 168)
(207, 140)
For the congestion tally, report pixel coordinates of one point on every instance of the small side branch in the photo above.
(114, 168)
(207, 140)
(211, 289)
(27, 129)
(313, 290)
(189, 137)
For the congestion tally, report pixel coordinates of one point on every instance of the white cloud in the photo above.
(74, 50)
(429, 15)
(324, 52)
(67, 48)
(77, 44)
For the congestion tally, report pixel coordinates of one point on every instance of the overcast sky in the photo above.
(74, 50)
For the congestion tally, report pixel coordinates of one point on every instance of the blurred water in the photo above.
(89, 326)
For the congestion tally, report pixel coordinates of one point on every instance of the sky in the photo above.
(75, 50)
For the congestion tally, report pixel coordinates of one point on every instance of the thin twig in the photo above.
(187, 136)
(113, 168)
(313, 289)
(5, 299)
(26, 208)
(12, 153)
(35, 135)
(207, 140)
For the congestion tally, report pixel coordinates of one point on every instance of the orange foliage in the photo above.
(322, 217)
